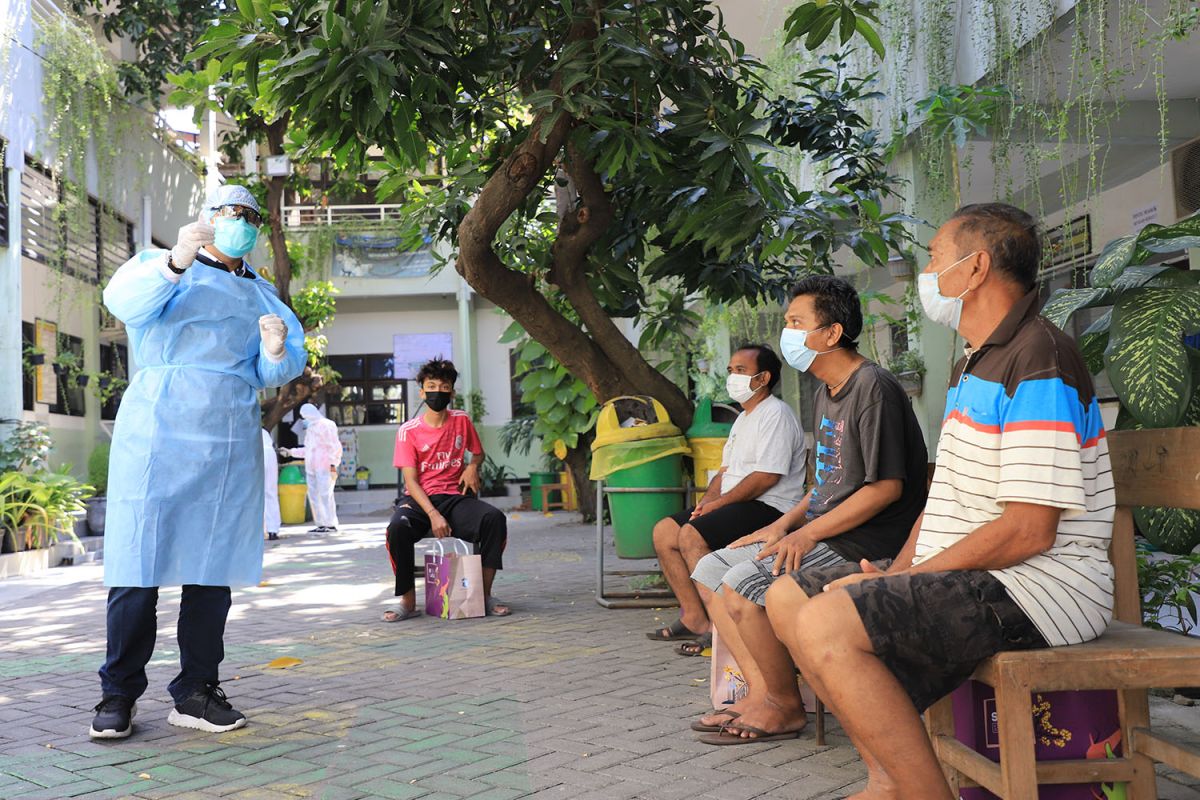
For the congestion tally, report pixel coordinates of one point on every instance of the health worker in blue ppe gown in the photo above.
(185, 492)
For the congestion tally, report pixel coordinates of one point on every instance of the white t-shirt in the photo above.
(767, 439)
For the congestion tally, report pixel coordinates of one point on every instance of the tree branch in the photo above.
(577, 232)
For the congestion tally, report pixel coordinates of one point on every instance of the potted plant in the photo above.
(1140, 341)
(493, 478)
(97, 505)
(36, 519)
(909, 369)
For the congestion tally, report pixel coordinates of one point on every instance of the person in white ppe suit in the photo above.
(322, 454)
(271, 518)
(185, 492)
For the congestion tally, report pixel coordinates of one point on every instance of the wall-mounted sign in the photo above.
(1069, 241)
(277, 166)
(1141, 217)
(45, 383)
(366, 255)
(411, 350)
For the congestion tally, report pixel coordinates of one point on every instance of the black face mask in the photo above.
(437, 401)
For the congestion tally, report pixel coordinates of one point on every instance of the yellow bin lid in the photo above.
(631, 419)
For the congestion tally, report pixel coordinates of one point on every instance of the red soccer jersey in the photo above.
(437, 453)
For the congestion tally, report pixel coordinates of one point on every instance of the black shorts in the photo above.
(729, 523)
(932, 629)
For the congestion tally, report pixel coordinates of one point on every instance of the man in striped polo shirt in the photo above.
(1011, 550)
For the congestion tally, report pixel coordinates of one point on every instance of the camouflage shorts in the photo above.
(931, 630)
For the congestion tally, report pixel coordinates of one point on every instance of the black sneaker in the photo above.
(114, 718)
(207, 710)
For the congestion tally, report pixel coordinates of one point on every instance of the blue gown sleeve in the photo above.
(277, 373)
(140, 288)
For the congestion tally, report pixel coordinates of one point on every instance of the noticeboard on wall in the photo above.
(368, 255)
(45, 339)
(411, 350)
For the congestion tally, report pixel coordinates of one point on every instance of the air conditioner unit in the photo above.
(1185, 176)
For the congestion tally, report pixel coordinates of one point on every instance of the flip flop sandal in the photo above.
(700, 727)
(697, 647)
(725, 738)
(673, 632)
(492, 603)
(401, 615)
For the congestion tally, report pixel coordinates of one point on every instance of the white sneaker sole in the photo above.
(200, 724)
(112, 733)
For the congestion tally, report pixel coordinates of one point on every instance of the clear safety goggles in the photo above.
(240, 212)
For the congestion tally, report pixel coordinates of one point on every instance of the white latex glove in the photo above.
(274, 334)
(192, 237)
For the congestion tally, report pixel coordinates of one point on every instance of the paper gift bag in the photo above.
(453, 581)
(726, 683)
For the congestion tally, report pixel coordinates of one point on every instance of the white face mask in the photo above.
(941, 309)
(796, 352)
(738, 387)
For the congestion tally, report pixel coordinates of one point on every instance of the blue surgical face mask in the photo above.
(939, 308)
(234, 236)
(796, 352)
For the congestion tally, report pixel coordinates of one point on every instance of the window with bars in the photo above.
(114, 361)
(367, 393)
(3, 196)
(83, 239)
(72, 397)
(26, 373)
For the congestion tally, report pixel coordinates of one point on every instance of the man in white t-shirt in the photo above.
(761, 477)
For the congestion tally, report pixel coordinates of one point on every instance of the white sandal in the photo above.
(401, 615)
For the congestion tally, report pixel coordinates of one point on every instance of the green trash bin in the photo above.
(536, 481)
(707, 439)
(292, 492)
(637, 447)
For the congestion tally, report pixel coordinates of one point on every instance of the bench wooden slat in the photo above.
(1156, 467)
(981, 769)
(1173, 754)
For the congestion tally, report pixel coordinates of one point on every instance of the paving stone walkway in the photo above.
(561, 700)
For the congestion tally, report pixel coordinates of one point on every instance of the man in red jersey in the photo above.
(431, 454)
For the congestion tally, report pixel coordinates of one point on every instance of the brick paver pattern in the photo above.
(563, 699)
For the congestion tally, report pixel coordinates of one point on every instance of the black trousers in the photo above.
(470, 519)
(133, 624)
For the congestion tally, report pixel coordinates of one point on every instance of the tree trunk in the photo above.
(281, 267)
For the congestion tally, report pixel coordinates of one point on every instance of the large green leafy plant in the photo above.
(1140, 342)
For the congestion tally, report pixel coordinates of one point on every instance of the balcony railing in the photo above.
(313, 216)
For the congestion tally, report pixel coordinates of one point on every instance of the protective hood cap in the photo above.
(230, 194)
(309, 411)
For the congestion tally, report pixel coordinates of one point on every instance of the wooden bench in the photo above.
(1150, 468)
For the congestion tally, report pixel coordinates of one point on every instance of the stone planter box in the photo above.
(24, 562)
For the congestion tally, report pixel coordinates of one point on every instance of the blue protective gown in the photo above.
(185, 489)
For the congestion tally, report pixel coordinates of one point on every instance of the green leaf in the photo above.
(1115, 257)
(1175, 530)
(1092, 346)
(870, 35)
(1065, 302)
(1146, 359)
(1133, 277)
(512, 333)
(1181, 235)
(822, 27)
